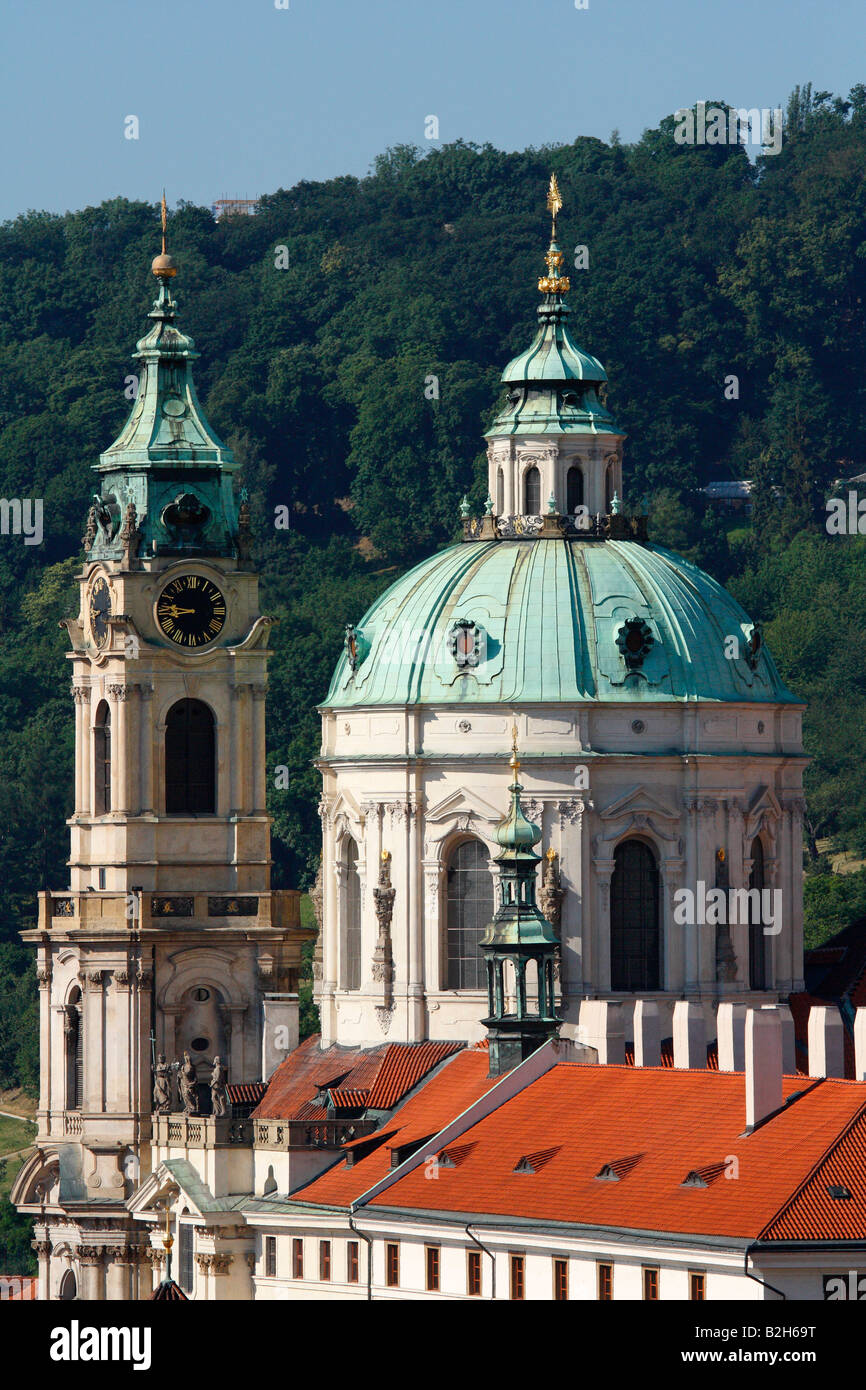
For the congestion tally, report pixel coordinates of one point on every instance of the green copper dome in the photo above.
(553, 621)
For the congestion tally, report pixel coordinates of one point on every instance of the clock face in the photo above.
(100, 609)
(191, 611)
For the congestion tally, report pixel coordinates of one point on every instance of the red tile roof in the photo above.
(813, 1213)
(448, 1093)
(681, 1121)
(374, 1078)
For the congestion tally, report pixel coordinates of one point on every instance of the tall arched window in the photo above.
(68, 1287)
(532, 492)
(184, 1255)
(757, 940)
(74, 1051)
(190, 759)
(352, 972)
(573, 490)
(470, 908)
(500, 492)
(635, 936)
(608, 489)
(102, 759)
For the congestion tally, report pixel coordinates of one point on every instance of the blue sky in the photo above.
(237, 97)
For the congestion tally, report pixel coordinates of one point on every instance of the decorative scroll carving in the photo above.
(81, 694)
(383, 1018)
(94, 980)
(43, 976)
(119, 692)
(213, 1262)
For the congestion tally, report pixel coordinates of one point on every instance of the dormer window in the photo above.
(635, 640)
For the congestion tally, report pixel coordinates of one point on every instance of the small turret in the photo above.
(519, 936)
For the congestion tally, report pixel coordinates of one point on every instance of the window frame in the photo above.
(270, 1259)
(560, 1279)
(517, 1276)
(297, 1257)
(433, 1268)
(190, 757)
(455, 965)
(324, 1261)
(604, 1281)
(353, 1262)
(392, 1264)
(473, 1258)
(650, 1272)
(697, 1279)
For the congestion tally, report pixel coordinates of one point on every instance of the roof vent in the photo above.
(619, 1168)
(702, 1177)
(453, 1157)
(534, 1162)
(841, 1194)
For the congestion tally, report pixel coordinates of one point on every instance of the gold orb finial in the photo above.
(386, 855)
(163, 265)
(515, 761)
(553, 282)
(551, 855)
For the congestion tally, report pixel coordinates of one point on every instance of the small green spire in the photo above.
(615, 505)
(464, 507)
(488, 505)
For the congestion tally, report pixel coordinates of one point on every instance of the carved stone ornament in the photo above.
(119, 692)
(551, 894)
(121, 977)
(635, 641)
(317, 897)
(130, 535)
(81, 694)
(383, 898)
(383, 1018)
(43, 976)
(91, 1254)
(94, 979)
(213, 1262)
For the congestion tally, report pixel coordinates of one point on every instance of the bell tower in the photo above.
(169, 938)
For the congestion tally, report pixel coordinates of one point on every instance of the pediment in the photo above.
(173, 1180)
(764, 809)
(640, 801)
(460, 803)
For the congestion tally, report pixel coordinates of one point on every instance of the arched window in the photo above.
(352, 972)
(634, 918)
(470, 908)
(184, 1255)
(102, 759)
(573, 490)
(532, 492)
(608, 489)
(190, 759)
(74, 1051)
(68, 1287)
(500, 492)
(757, 940)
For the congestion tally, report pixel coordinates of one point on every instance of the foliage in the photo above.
(702, 266)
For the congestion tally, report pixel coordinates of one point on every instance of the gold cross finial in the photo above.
(554, 203)
(164, 221)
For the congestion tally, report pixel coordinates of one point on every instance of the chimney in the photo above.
(602, 1027)
(826, 1041)
(860, 1045)
(763, 1064)
(647, 1034)
(280, 1030)
(789, 1047)
(690, 1036)
(731, 1024)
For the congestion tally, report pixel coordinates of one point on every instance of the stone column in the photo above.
(331, 892)
(258, 740)
(43, 1256)
(600, 964)
(237, 799)
(145, 730)
(121, 1031)
(119, 695)
(118, 1281)
(91, 1266)
(416, 1021)
(81, 696)
(93, 1001)
(46, 1042)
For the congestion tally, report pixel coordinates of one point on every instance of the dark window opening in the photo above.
(605, 1283)
(352, 1272)
(324, 1260)
(757, 940)
(651, 1284)
(190, 760)
(473, 1273)
(102, 759)
(271, 1257)
(532, 492)
(518, 1278)
(469, 908)
(184, 1256)
(297, 1259)
(431, 1259)
(697, 1286)
(353, 919)
(573, 490)
(635, 943)
(392, 1266)
(560, 1281)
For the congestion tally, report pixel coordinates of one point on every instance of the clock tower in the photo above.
(169, 939)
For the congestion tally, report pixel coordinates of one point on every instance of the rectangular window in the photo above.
(518, 1281)
(431, 1256)
(392, 1266)
(697, 1285)
(184, 1253)
(560, 1281)
(324, 1260)
(473, 1273)
(651, 1284)
(605, 1283)
(271, 1257)
(297, 1258)
(352, 1262)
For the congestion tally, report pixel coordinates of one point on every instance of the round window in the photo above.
(200, 1044)
(200, 995)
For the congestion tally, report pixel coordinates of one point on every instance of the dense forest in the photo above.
(321, 319)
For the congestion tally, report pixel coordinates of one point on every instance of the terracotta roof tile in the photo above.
(679, 1120)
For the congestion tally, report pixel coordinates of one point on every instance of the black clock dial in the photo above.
(100, 609)
(191, 611)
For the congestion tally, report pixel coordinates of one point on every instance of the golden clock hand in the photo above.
(176, 612)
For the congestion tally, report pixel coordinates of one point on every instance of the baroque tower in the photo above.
(169, 938)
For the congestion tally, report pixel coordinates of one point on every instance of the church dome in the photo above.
(557, 620)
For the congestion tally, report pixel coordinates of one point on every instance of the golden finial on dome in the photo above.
(553, 282)
(164, 265)
(554, 203)
(386, 855)
(515, 761)
(551, 855)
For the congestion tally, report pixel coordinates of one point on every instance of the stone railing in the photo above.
(137, 911)
(309, 1134)
(200, 1131)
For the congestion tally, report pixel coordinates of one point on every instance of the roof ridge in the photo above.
(814, 1170)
